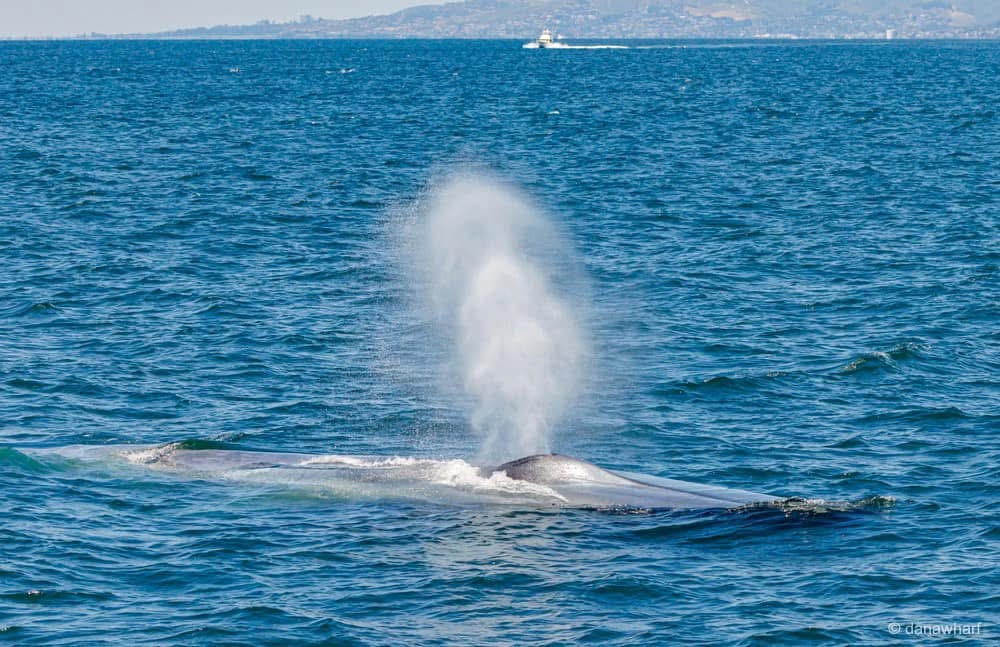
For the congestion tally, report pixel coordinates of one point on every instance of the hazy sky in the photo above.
(74, 17)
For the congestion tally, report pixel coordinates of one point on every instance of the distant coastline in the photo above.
(626, 19)
(156, 37)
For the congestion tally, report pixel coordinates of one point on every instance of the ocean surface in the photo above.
(779, 263)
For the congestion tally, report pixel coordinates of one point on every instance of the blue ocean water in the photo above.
(786, 267)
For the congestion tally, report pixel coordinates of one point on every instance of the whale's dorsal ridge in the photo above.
(587, 484)
(555, 468)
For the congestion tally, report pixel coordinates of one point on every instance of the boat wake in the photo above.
(565, 46)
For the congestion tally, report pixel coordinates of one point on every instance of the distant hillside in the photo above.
(645, 19)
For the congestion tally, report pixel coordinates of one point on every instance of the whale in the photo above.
(537, 481)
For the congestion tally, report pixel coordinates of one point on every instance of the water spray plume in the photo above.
(491, 260)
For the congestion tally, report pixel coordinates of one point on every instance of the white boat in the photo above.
(545, 41)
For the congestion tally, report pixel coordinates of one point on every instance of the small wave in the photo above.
(882, 360)
(300, 408)
(734, 383)
(257, 176)
(39, 596)
(27, 154)
(26, 385)
(41, 308)
(11, 459)
(720, 382)
(918, 414)
(852, 442)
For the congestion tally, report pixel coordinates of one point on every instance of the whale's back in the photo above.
(546, 480)
(585, 484)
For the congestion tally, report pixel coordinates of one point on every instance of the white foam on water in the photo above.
(488, 259)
